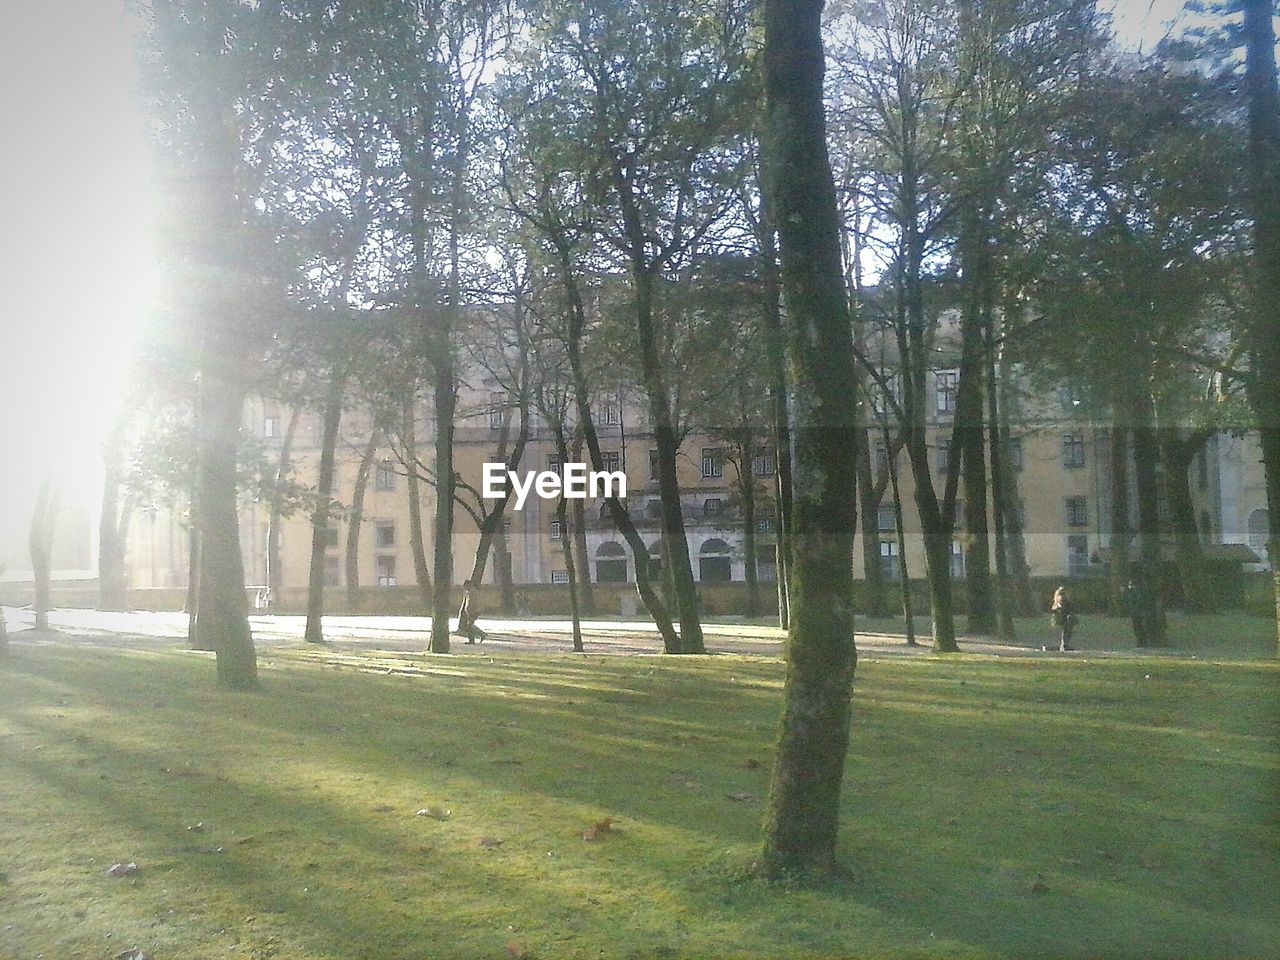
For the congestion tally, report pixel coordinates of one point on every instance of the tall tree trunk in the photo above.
(672, 642)
(1177, 452)
(445, 406)
(775, 340)
(222, 611)
(578, 510)
(355, 519)
(1019, 570)
(284, 467)
(1121, 527)
(1263, 329)
(191, 604)
(322, 514)
(112, 527)
(970, 435)
(747, 487)
(904, 573)
(1000, 506)
(802, 813)
(675, 543)
(44, 521)
(417, 542)
(1145, 458)
(566, 543)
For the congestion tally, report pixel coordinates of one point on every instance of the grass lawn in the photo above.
(1013, 807)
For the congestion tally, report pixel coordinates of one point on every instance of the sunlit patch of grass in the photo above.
(993, 808)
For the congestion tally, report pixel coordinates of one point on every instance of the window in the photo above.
(766, 564)
(944, 454)
(553, 463)
(945, 384)
(386, 535)
(713, 562)
(1015, 453)
(271, 427)
(763, 462)
(653, 464)
(611, 563)
(386, 571)
(712, 507)
(764, 521)
(712, 462)
(1077, 512)
(1077, 553)
(889, 566)
(957, 560)
(886, 519)
(882, 459)
(609, 415)
(1073, 450)
(959, 517)
(1072, 397)
(879, 395)
(609, 460)
(332, 575)
(497, 410)
(330, 536)
(555, 529)
(385, 478)
(604, 510)
(559, 576)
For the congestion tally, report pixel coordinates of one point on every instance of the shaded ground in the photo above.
(1011, 807)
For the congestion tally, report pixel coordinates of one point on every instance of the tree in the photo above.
(1262, 330)
(44, 521)
(802, 813)
(210, 56)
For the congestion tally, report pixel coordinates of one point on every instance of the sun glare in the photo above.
(75, 250)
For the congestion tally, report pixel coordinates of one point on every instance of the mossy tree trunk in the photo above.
(44, 521)
(322, 512)
(1177, 453)
(1263, 328)
(355, 520)
(113, 526)
(222, 610)
(802, 813)
(284, 467)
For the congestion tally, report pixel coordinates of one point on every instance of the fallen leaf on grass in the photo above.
(741, 797)
(489, 842)
(122, 869)
(599, 829)
(133, 954)
(435, 813)
(518, 951)
(751, 764)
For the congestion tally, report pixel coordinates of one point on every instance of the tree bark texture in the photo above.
(44, 521)
(803, 808)
(322, 513)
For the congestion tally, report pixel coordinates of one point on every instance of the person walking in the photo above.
(1064, 617)
(467, 614)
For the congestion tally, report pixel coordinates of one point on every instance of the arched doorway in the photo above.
(714, 565)
(611, 563)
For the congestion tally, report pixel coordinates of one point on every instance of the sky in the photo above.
(75, 263)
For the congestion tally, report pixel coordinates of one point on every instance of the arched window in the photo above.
(655, 558)
(611, 563)
(1259, 529)
(713, 562)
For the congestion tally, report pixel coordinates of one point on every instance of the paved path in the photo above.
(535, 635)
